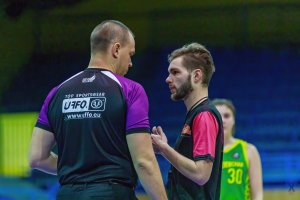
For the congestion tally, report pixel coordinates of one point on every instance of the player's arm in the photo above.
(40, 155)
(146, 165)
(255, 173)
(205, 131)
(197, 171)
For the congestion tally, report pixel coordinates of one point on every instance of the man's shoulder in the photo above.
(129, 84)
(126, 80)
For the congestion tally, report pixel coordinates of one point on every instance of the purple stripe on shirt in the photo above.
(43, 116)
(137, 104)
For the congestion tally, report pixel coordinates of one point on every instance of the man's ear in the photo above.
(115, 50)
(197, 75)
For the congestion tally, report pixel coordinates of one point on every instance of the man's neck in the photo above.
(100, 62)
(195, 97)
(103, 67)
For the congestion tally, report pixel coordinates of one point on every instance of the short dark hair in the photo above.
(107, 32)
(196, 56)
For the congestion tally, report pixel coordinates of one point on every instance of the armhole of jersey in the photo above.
(245, 152)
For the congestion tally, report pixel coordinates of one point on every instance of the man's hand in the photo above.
(159, 139)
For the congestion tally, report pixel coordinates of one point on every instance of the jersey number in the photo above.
(235, 176)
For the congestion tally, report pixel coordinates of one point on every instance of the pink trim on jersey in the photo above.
(205, 131)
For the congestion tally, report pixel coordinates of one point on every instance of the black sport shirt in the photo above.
(207, 146)
(90, 115)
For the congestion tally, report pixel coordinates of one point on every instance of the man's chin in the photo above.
(174, 97)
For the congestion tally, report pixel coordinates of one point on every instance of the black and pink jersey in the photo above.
(201, 138)
(90, 115)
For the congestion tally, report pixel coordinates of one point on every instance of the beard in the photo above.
(183, 90)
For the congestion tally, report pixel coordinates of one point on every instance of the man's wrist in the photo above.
(163, 148)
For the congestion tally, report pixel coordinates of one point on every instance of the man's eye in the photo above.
(226, 115)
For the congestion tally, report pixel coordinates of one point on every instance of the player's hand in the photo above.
(158, 138)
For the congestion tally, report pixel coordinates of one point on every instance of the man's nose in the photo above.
(168, 80)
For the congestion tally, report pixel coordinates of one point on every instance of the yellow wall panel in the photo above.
(15, 135)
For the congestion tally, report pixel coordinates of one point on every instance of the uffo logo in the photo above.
(96, 103)
(83, 104)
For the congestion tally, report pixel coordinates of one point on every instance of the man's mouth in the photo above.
(172, 89)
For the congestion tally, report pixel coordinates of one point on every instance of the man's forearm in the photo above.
(48, 165)
(151, 180)
(189, 168)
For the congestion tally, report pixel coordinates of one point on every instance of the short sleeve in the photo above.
(137, 111)
(43, 121)
(205, 131)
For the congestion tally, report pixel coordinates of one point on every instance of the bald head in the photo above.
(108, 32)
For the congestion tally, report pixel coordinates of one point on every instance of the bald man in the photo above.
(99, 121)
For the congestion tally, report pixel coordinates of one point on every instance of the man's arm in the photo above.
(146, 165)
(255, 173)
(40, 155)
(197, 171)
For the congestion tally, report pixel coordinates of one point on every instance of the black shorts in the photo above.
(103, 191)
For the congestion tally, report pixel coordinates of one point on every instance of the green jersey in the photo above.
(235, 176)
